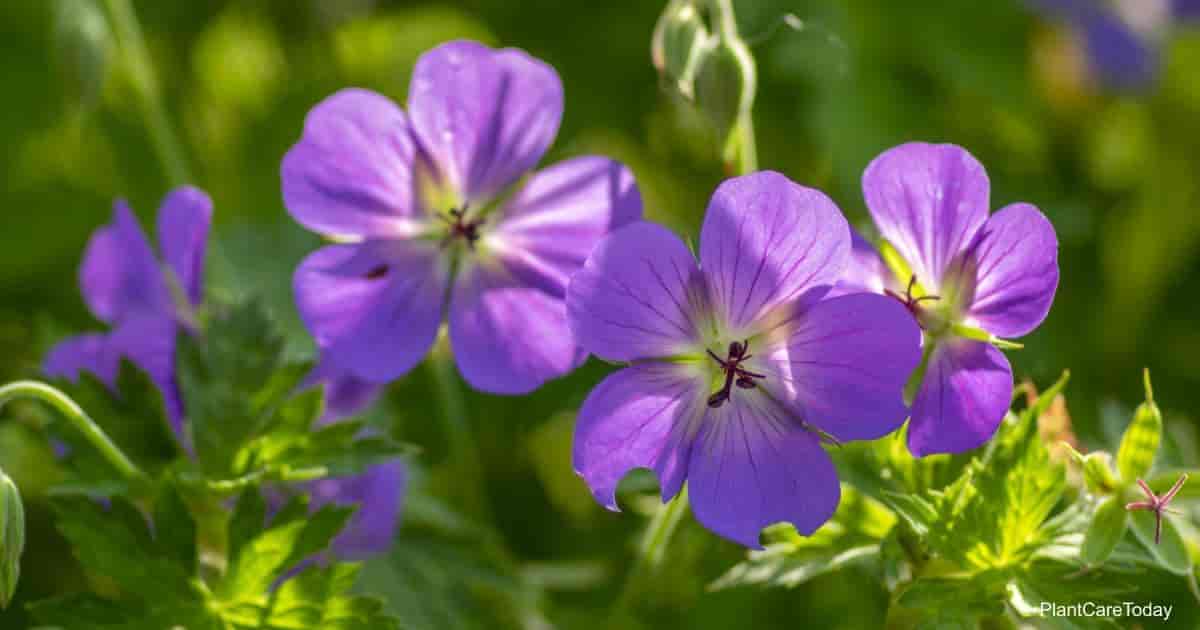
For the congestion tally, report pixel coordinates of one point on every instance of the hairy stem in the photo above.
(464, 453)
(651, 551)
(79, 419)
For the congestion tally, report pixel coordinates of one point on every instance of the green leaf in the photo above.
(316, 599)
(174, 529)
(1106, 529)
(1047, 582)
(1097, 470)
(916, 511)
(249, 517)
(1171, 552)
(852, 536)
(956, 597)
(1140, 442)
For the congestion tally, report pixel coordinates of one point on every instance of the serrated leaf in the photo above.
(1053, 582)
(316, 598)
(957, 597)
(1140, 442)
(249, 517)
(1171, 552)
(1105, 531)
(916, 511)
(174, 529)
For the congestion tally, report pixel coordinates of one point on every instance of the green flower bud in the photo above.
(725, 84)
(83, 43)
(12, 538)
(681, 39)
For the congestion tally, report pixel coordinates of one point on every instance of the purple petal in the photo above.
(378, 493)
(484, 116)
(90, 352)
(846, 364)
(183, 222)
(1186, 9)
(345, 394)
(149, 342)
(351, 174)
(120, 274)
(639, 295)
(640, 417)
(928, 201)
(551, 225)
(374, 307)
(1016, 268)
(507, 338)
(753, 465)
(963, 398)
(1123, 58)
(767, 241)
(865, 272)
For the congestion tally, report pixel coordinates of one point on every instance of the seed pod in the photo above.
(680, 41)
(725, 84)
(12, 538)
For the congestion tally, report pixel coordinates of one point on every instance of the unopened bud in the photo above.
(680, 41)
(84, 43)
(725, 83)
(12, 538)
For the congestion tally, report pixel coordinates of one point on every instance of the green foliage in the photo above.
(1107, 527)
(1140, 442)
(149, 572)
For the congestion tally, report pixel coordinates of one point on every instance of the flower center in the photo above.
(930, 320)
(735, 374)
(461, 227)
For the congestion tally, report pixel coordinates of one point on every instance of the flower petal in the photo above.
(1015, 260)
(83, 353)
(183, 222)
(374, 307)
(753, 465)
(148, 340)
(345, 394)
(640, 417)
(547, 230)
(766, 241)
(351, 174)
(1185, 9)
(1122, 57)
(639, 295)
(928, 201)
(120, 274)
(966, 392)
(865, 272)
(508, 338)
(484, 116)
(379, 494)
(846, 364)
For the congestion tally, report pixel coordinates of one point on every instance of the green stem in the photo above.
(133, 46)
(651, 551)
(747, 146)
(77, 417)
(464, 454)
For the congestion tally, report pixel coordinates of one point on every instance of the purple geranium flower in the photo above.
(971, 278)
(144, 301)
(737, 366)
(1123, 37)
(436, 221)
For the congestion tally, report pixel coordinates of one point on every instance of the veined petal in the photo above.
(183, 222)
(374, 307)
(966, 392)
(484, 116)
(508, 338)
(379, 494)
(120, 274)
(1015, 264)
(345, 394)
(928, 200)
(767, 241)
(643, 416)
(754, 465)
(83, 353)
(846, 363)
(865, 271)
(639, 295)
(148, 340)
(352, 172)
(547, 230)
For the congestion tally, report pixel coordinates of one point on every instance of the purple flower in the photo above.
(145, 301)
(435, 221)
(971, 276)
(1123, 37)
(738, 369)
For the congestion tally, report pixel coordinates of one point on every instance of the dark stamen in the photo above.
(735, 374)
(376, 272)
(910, 302)
(461, 227)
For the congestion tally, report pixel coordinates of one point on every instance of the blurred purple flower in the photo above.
(994, 274)
(435, 221)
(1123, 37)
(738, 367)
(145, 301)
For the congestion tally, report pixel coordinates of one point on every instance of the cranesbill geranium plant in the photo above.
(437, 222)
(738, 369)
(970, 281)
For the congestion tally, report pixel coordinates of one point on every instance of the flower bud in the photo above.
(12, 538)
(725, 83)
(83, 44)
(680, 40)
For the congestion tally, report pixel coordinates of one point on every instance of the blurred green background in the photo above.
(1116, 173)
